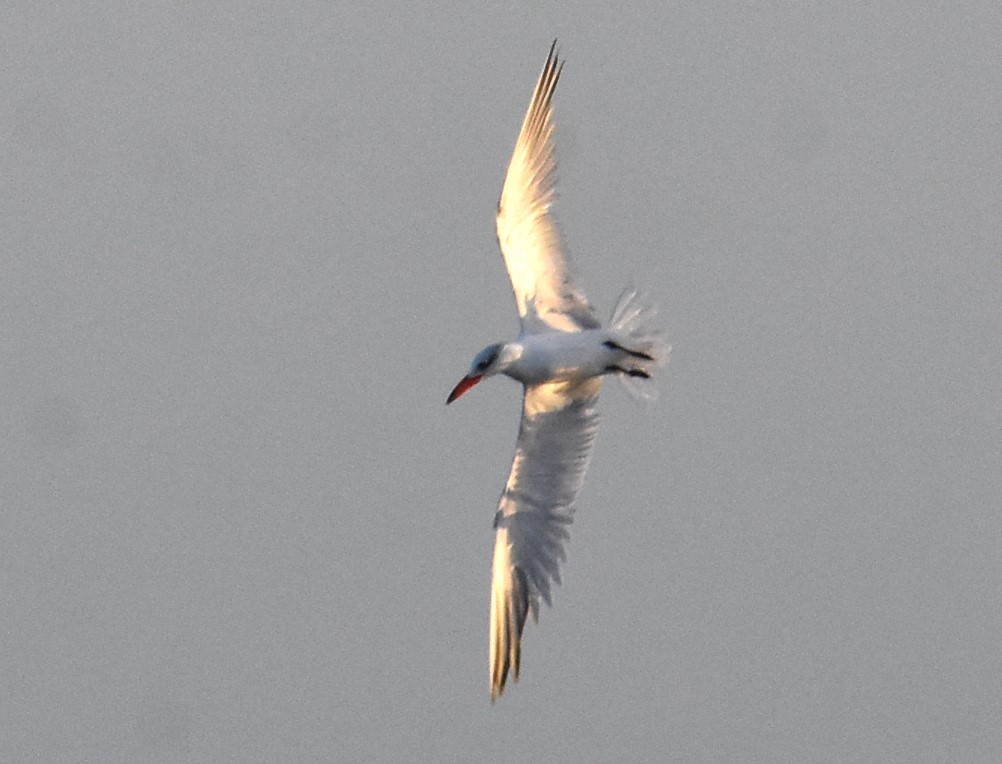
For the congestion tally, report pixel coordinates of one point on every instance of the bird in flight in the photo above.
(560, 357)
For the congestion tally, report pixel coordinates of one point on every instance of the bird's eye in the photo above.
(482, 366)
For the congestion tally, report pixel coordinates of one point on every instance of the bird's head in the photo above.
(492, 360)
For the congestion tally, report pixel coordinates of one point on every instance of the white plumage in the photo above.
(560, 357)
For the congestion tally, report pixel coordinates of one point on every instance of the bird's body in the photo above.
(561, 357)
(553, 356)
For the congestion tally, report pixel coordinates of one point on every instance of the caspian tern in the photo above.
(560, 357)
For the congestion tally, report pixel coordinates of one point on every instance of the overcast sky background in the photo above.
(248, 248)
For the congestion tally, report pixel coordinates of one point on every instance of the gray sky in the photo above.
(246, 252)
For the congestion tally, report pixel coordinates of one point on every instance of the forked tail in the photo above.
(633, 325)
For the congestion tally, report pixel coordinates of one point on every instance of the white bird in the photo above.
(560, 357)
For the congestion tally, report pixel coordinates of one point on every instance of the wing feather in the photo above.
(559, 421)
(539, 271)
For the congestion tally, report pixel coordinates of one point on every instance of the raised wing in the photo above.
(559, 420)
(527, 234)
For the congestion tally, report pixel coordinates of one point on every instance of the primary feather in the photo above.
(559, 421)
(527, 234)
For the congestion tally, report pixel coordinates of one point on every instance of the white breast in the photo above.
(551, 356)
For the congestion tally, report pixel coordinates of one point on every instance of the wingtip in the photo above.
(555, 60)
(551, 69)
(497, 687)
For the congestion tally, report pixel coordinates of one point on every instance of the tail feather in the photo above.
(633, 324)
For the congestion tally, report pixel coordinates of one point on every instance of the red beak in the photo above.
(464, 384)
